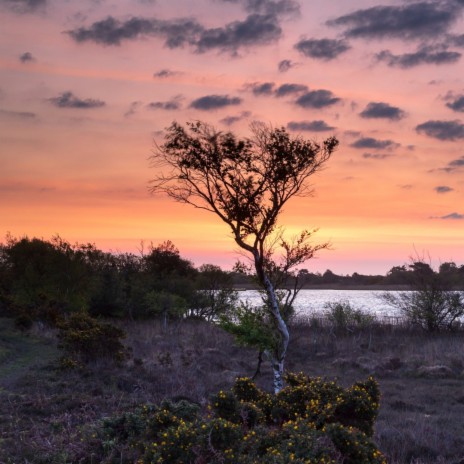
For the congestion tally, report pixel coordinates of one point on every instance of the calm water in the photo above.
(313, 301)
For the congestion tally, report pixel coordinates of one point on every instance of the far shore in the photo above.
(244, 287)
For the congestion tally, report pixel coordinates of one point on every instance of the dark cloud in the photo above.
(26, 57)
(214, 102)
(379, 110)
(457, 104)
(322, 49)
(370, 142)
(164, 73)
(24, 6)
(110, 31)
(270, 7)
(285, 65)
(417, 20)
(443, 189)
(377, 156)
(456, 216)
(261, 88)
(230, 120)
(254, 30)
(309, 126)
(170, 105)
(69, 100)
(457, 163)
(442, 130)
(317, 99)
(456, 40)
(429, 54)
(18, 114)
(134, 106)
(290, 89)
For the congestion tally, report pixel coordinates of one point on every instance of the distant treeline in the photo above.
(397, 277)
(44, 279)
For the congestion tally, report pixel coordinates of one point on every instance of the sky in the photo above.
(88, 87)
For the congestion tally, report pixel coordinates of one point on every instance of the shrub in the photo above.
(84, 339)
(346, 318)
(431, 303)
(309, 421)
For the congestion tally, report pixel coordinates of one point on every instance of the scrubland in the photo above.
(47, 414)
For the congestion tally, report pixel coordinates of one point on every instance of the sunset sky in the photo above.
(87, 86)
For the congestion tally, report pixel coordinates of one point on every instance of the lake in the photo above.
(313, 301)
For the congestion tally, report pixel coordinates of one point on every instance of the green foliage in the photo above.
(84, 339)
(309, 421)
(43, 280)
(251, 326)
(346, 318)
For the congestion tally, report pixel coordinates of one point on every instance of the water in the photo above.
(313, 301)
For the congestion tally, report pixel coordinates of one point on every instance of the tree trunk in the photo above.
(278, 368)
(280, 350)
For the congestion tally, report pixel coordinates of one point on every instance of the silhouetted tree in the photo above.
(246, 183)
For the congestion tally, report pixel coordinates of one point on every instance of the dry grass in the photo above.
(47, 415)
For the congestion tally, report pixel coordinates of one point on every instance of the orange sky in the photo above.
(85, 87)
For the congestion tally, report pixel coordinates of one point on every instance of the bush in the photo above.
(431, 303)
(309, 421)
(346, 318)
(85, 339)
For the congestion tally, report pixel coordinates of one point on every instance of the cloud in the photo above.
(442, 130)
(290, 89)
(369, 142)
(69, 100)
(24, 6)
(18, 114)
(214, 102)
(443, 189)
(170, 105)
(424, 55)
(457, 163)
(377, 156)
(423, 19)
(26, 57)
(165, 73)
(134, 106)
(254, 30)
(322, 49)
(230, 120)
(379, 110)
(285, 65)
(309, 126)
(317, 99)
(457, 104)
(455, 216)
(270, 7)
(456, 40)
(261, 88)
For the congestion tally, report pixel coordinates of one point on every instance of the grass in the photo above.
(48, 415)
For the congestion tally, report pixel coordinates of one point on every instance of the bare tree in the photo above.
(246, 183)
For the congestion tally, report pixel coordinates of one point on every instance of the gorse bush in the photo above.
(309, 421)
(84, 339)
